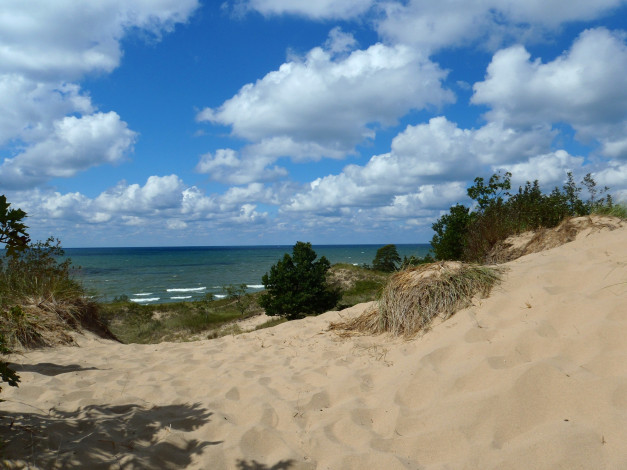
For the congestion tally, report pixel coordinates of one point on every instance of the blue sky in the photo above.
(245, 122)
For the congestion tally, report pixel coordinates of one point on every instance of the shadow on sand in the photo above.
(101, 436)
(254, 465)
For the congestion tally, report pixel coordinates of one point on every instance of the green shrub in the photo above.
(386, 259)
(296, 286)
(468, 235)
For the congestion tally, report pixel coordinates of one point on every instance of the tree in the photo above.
(492, 194)
(13, 235)
(243, 300)
(296, 286)
(12, 230)
(450, 233)
(386, 259)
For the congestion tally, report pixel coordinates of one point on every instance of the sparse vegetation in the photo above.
(134, 323)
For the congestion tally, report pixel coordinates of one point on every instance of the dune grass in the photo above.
(40, 302)
(414, 297)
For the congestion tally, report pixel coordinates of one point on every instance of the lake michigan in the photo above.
(179, 274)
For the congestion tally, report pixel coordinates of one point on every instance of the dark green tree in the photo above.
(450, 233)
(296, 286)
(386, 259)
(12, 230)
(13, 235)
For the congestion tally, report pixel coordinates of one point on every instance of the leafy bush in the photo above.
(468, 235)
(296, 286)
(386, 259)
(450, 233)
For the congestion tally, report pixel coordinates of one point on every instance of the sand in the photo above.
(534, 377)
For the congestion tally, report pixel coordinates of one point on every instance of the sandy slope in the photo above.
(535, 377)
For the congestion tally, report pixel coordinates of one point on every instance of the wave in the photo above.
(143, 294)
(181, 297)
(219, 296)
(145, 299)
(187, 289)
(255, 286)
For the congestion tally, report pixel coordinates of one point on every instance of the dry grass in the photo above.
(546, 238)
(40, 322)
(414, 297)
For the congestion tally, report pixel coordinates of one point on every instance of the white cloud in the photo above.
(318, 9)
(30, 108)
(74, 144)
(227, 166)
(63, 40)
(586, 87)
(550, 169)
(434, 25)
(323, 106)
(48, 127)
(162, 201)
(420, 156)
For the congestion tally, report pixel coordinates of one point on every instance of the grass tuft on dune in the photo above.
(414, 297)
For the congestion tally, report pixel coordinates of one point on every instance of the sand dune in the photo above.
(534, 377)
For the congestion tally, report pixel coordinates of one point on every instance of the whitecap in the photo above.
(146, 299)
(143, 294)
(255, 286)
(187, 289)
(219, 296)
(181, 297)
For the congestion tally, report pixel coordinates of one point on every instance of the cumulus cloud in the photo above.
(49, 128)
(228, 166)
(319, 9)
(162, 201)
(58, 41)
(550, 168)
(435, 25)
(324, 105)
(426, 154)
(586, 87)
(74, 144)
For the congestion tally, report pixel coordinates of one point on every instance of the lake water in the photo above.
(174, 274)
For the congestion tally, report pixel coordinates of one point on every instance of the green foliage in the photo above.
(450, 233)
(296, 286)
(40, 272)
(492, 194)
(470, 235)
(12, 230)
(135, 323)
(415, 261)
(386, 259)
(243, 300)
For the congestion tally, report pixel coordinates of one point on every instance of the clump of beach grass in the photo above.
(414, 297)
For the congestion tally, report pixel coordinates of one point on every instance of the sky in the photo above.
(266, 122)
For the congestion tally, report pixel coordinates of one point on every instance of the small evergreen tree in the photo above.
(296, 286)
(386, 259)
